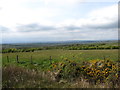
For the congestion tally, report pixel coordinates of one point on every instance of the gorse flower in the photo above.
(97, 70)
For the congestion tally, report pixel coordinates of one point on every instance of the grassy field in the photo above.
(25, 74)
(41, 58)
(77, 55)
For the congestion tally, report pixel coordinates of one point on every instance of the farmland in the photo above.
(61, 67)
(57, 55)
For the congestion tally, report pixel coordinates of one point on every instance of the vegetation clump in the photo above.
(94, 71)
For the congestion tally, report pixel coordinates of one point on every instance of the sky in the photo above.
(24, 21)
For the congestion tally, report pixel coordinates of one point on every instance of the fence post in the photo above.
(50, 60)
(17, 59)
(104, 57)
(7, 58)
(31, 60)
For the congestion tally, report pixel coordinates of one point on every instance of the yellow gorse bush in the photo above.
(93, 70)
(102, 68)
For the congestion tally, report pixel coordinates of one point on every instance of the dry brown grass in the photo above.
(19, 77)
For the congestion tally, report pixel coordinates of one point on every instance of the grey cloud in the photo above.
(37, 27)
(111, 25)
(72, 27)
(102, 27)
(34, 27)
(4, 29)
(93, 26)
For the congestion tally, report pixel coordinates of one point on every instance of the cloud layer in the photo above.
(40, 20)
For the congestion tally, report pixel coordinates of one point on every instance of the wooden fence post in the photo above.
(17, 59)
(7, 59)
(104, 57)
(31, 60)
(50, 60)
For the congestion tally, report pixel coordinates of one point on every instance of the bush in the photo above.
(94, 71)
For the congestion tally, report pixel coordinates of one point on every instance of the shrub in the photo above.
(94, 71)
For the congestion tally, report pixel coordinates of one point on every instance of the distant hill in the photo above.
(42, 44)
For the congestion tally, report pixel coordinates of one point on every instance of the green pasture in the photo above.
(58, 55)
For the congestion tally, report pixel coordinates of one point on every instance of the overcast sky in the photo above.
(58, 20)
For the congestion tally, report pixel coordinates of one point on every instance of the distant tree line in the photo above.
(92, 48)
(64, 47)
(11, 50)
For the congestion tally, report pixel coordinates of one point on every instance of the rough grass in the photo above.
(19, 77)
